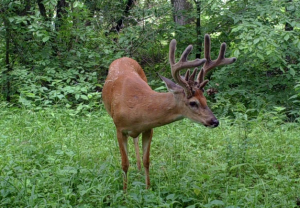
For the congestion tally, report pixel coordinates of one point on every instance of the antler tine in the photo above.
(192, 77)
(183, 63)
(202, 84)
(200, 77)
(207, 49)
(210, 64)
(221, 59)
(172, 49)
(174, 66)
(187, 75)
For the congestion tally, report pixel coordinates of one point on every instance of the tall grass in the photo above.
(53, 158)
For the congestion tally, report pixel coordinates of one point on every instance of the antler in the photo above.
(188, 82)
(210, 64)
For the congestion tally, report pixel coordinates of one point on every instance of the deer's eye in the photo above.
(193, 104)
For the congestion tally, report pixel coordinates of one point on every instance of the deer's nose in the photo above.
(214, 122)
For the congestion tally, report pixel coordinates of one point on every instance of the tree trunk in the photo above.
(288, 27)
(42, 9)
(26, 9)
(119, 26)
(60, 12)
(181, 8)
(7, 60)
(198, 29)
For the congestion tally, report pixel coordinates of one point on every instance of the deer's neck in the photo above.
(163, 108)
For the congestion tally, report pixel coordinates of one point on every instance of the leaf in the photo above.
(256, 41)
(11, 19)
(293, 97)
(29, 94)
(236, 53)
(171, 196)
(290, 7)
(216, 202)
(197, 191)
(236, 29)
(268, 52)
(260, 56)
(294, 23)
(83, 89)
(84, 97)
(160, 88)
(279, 108)
(45, 39)
(292, 72)
(60, 96)
(24, 101)
(286, 37)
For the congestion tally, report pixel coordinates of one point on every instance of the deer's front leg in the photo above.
(147, 137)
(122, 139)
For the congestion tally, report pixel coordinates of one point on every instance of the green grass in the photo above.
(52, 158)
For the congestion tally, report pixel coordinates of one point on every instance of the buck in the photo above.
(136, 109)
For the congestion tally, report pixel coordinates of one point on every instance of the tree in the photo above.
(119, 25)
(181, 9)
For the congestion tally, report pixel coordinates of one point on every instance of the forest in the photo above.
(58, 145)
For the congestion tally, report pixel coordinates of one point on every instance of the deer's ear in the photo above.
(172, 86)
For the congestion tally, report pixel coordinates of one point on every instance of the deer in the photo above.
(136, 109)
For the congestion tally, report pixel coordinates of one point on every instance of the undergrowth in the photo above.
(54, 158)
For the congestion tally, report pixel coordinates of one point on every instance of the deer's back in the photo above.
(125, 82)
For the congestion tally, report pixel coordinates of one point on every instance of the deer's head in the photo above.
(189, 93)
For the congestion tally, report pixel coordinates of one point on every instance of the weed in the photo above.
(55, 158)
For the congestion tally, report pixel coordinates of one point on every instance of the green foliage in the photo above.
(56, 88)
(63, 61)
(58, 159)
(268, 57)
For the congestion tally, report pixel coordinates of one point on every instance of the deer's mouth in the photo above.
(213, 124)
